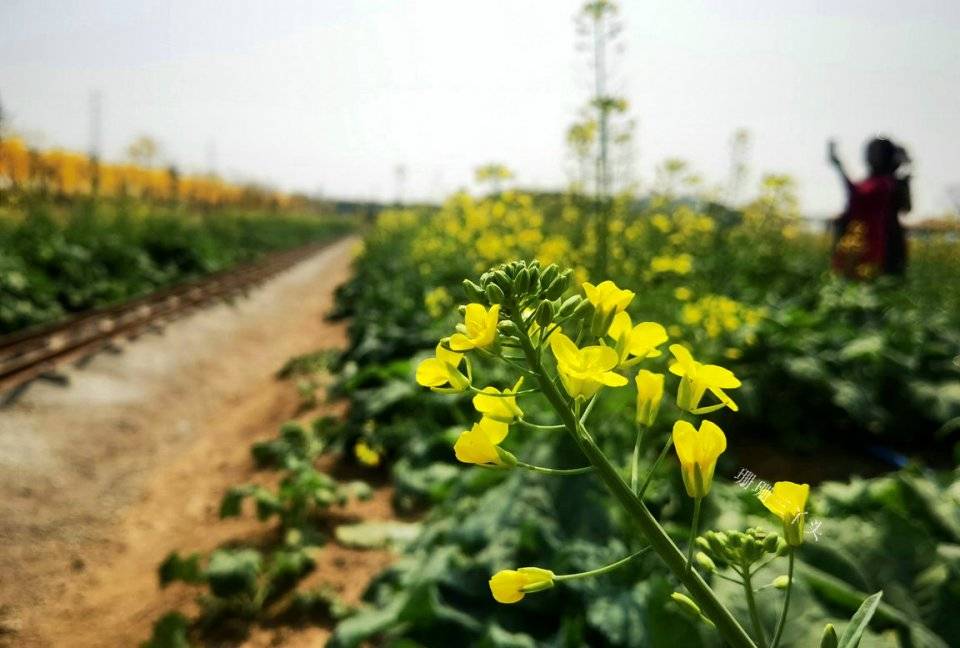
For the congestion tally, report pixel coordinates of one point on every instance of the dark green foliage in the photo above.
(57, 261)
(170, 631)
(186, 570)
(234, 572)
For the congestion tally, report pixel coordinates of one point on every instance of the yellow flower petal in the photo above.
(497, 404)
(788, 501)
(510, 585)
(645, 337)
(564, 350)
(479, 328)
(432, 373)
(505, 586)
(495, 430)
(474, 446)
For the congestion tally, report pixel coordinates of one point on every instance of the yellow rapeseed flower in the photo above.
(441, 370)
(498, 405)
(697, 378)
(681, 264)
(649, 396)
(682, 293)
(661, 222)
(607, 297)
(640, 341)
(478, 445)
(511, 585)
(788, 501)
(584, 371)
(437, 301)
(698, 451)
(365, 454)
(478, 330)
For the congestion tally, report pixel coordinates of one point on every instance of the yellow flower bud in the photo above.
(698, 451)
(649, 396)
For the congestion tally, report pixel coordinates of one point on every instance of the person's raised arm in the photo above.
(835, 161)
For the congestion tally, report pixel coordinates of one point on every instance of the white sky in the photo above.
(332, 95)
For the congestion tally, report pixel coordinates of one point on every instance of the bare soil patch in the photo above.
(101, 479)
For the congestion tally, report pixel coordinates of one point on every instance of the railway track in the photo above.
(38, 352)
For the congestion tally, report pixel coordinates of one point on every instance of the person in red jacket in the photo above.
(870, 237)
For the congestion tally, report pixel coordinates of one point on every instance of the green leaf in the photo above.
(374, 534)
(863, 347)
(170, 631)
(232, 503)
(287, 567)
(859, 622)
(175, 568)
(234, 572)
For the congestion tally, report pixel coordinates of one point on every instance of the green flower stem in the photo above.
(660, 541)
(635, 463)
(503, 394)
(600, 570)
(759, 566)
(694, 524)
(522, 370)
(656, 464)
(586, 412)
(728, 578)
(786, 602)
(752, 605)
(555, 471)
(536, 426)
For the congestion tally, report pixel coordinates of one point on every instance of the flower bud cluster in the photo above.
(530, 288)
(740, 549)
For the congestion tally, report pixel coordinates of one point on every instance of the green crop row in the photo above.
(56, 260)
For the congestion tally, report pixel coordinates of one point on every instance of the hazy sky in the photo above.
(332, 95)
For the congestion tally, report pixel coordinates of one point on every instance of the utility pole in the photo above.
(400, 176)
(96, 139)
(601, 14)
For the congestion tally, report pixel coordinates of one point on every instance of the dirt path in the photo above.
(99, 481)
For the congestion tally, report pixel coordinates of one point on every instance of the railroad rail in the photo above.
(37, 352)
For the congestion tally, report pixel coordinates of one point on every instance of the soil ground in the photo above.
(102, 478)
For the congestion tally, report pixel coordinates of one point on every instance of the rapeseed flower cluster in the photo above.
(570, 349)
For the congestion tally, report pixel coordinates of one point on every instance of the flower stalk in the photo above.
(752, 606)
(786, 601)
